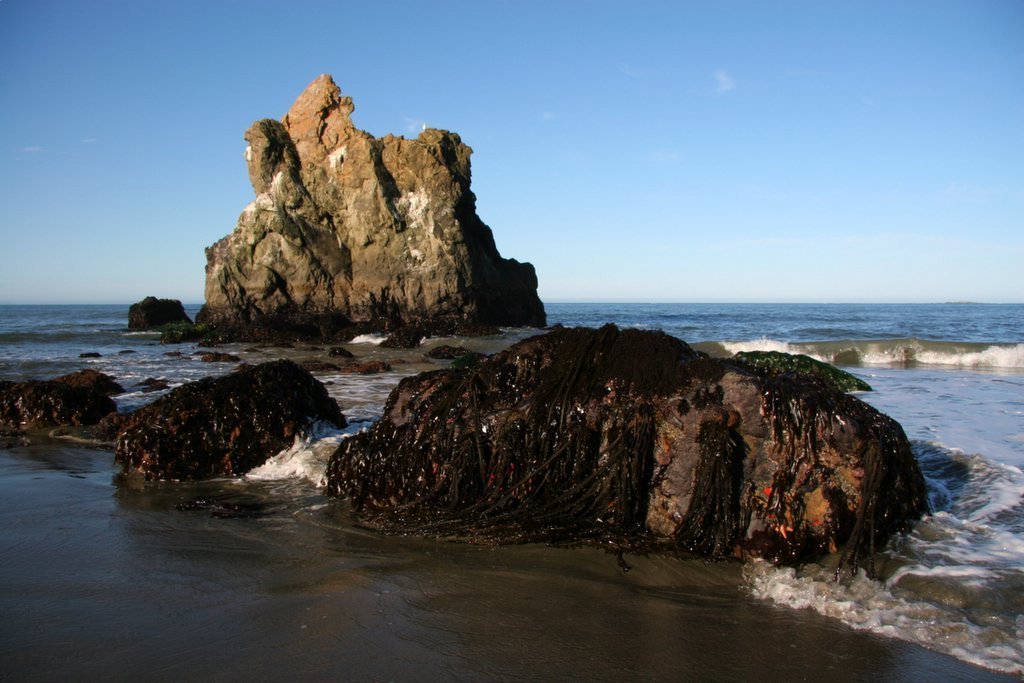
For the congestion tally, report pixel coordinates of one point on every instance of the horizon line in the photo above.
(637, 302)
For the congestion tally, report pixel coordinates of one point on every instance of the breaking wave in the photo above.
(899, 352)
(306, 459)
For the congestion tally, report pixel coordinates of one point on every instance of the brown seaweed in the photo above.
(558, 439)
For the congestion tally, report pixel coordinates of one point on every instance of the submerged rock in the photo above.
(217, 357)
(151, 313)
(223, 426)
(348, 228)
(151, 384)
(773, 363)
(368, 367)
(447, 352)
(632, 438)
(81, 398)
(340, 352)
(315, 365)
(460, 356)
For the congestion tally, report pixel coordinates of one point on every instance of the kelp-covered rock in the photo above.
(81, 398)
(773, 363)
(223, 426)
(632, 438)
(92, 381)
(152, 312)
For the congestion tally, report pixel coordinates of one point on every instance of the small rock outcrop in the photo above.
(448, 352)
(92, 381)
(217, 357)
(151, 384)
(369, 367)
(222, 426)
(81, 398)
(349, 228)
(408, 337)
(633, 440)
(340, 352)
(151, 313)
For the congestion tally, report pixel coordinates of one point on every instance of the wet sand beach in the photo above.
(272, 581)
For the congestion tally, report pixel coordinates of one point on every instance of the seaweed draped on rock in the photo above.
(632, 438)
(81, 398)
(347, 227)
(222, 426)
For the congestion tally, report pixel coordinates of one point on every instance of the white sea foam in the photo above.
(362, 397)
(1002, 356)
(374, 339)
(306, 459)
(865, 604)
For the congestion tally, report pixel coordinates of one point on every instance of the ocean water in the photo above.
(273, 580)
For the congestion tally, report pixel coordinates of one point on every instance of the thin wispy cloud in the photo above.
(414, 126)
(724, 81)
(32, 149)
(547, 116)
(631, 72)
(88, 141)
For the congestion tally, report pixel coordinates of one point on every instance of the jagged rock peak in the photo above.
(349, 228)
(320, 113)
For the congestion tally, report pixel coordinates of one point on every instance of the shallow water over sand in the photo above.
(274, 581)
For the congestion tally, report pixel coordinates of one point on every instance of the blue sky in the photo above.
(647, 151)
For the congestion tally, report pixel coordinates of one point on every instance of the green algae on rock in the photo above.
(773, 363)
(179, 332)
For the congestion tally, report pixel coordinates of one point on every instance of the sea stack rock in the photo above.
(632, 440)
(349, 228)
(151, 313)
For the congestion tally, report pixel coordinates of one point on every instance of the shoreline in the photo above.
(177, 593)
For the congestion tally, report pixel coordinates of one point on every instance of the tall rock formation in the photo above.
(349, 227)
